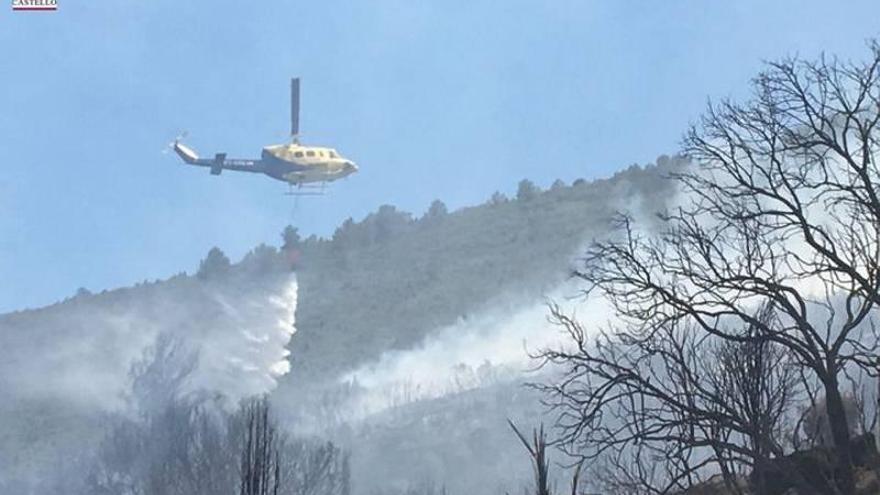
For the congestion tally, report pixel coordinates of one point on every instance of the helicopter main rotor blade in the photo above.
(294, 107)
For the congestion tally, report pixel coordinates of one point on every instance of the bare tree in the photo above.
(273, 464)
(537, 449)
(191, 445)
(160, 376)
(783, 209)
(316, 468)
(261, 444)
(172, 443)
(665, 410)
(756, 381)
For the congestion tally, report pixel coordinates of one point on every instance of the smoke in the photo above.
(81, 351)
(497, 344)
(494, 346)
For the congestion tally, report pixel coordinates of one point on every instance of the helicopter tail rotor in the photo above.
(170, 146)
(186, 153)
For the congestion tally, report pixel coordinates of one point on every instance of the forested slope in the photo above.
(383, 283)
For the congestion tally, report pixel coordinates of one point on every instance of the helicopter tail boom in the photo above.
(217, 164)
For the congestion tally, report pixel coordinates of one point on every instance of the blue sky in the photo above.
(449, 100)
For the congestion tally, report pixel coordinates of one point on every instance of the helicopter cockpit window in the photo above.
(310, 153)
(298, 154)
(332, 154)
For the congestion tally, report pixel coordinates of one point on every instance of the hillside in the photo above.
(384, 283)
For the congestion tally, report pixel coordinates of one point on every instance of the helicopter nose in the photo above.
(351, 167)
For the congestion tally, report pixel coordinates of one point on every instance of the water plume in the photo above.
(82, 350)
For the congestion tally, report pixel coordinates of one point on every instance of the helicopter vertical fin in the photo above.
(294, 107)
(219, 161)
(185, 153)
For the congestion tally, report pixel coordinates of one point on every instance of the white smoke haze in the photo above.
(240, 333)
(495, 345)
(822, 292)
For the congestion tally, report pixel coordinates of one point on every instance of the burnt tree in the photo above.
(781, 208)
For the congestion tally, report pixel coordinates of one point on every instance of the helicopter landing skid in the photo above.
(303, 193)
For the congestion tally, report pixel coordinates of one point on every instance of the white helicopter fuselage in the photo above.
(298, 164)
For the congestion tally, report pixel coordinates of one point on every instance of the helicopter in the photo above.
(302, 167)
